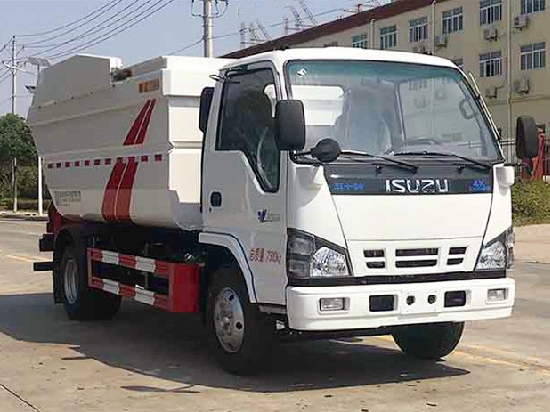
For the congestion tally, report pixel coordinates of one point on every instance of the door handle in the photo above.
(215, 199)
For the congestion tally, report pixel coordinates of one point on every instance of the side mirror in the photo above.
(527, 137)
(290, 128)
(204, 109)
(326, 151)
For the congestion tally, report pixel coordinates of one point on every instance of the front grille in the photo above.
(417, 252)
(373, 253)
(457, 251)
(415, 263)
(413, 258)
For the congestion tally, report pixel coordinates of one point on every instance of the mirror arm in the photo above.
(294, 157)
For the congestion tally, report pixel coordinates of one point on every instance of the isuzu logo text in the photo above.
(417, 186)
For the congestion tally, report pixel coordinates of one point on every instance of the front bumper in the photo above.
(304, 312)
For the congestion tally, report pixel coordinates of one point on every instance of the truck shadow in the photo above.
(173, 347)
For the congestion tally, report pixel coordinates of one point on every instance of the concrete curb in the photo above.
(31, 217)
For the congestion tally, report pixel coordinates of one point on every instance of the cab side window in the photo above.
(247, 124)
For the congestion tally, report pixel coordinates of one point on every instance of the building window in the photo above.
(418, 29)
(388, 37)
(331, 44)
(490, 11)
(490, 64)
(459, 63)
(532, 6)
(360, 42)
(453, 20)
(533, 56)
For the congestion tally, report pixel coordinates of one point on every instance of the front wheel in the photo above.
(429, 341)
(239, 334)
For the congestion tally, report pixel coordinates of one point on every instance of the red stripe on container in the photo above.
(111, 191)
(124, 198)
(136, 126)
(145, 125)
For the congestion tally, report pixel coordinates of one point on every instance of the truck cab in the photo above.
(360, 190)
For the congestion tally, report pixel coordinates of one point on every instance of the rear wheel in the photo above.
(239, 335)
(82, 302)
(430, 341)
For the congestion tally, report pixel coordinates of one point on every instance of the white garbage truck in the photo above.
(311, 192)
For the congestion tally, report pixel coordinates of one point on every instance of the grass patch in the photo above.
(531, 203)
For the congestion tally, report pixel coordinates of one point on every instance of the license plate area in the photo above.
(421, 301)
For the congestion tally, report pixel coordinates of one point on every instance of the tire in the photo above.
(242, 345)
(80, 301)
(430, 341)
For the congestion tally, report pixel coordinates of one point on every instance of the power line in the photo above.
(39, 43)
(100, 27)
(5, 77)
(186, 47)
(116, 31)
(223, 36)
(68, 24)
(5, 46)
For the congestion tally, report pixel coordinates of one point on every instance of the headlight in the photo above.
(498, 254)
(310, 257)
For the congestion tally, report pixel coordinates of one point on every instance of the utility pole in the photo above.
(13, 75)
(207, 26)
(13, 110)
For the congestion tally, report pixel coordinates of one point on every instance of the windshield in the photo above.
(386, 108)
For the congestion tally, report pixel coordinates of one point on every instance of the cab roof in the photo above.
(341, 53)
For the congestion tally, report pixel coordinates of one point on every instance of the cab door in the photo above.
(244, 176)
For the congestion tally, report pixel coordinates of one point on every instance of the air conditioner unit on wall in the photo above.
(441, 41)
(521, 22)
(522, 85)
(491, 92)
(490, 34)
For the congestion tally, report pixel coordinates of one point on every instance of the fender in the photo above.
(233, 245)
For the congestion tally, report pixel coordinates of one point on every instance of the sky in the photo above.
(174, 28)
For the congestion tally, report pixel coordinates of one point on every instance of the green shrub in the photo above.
(24, 204)
(531, 202)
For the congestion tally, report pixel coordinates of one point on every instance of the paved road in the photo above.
(147, 360)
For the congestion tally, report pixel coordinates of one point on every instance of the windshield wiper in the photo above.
(471, 162)
(354, 154)
(399, 163)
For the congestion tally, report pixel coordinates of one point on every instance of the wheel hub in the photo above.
(229, 320)
(70, 281)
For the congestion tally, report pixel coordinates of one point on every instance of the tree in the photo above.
(15, 141)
